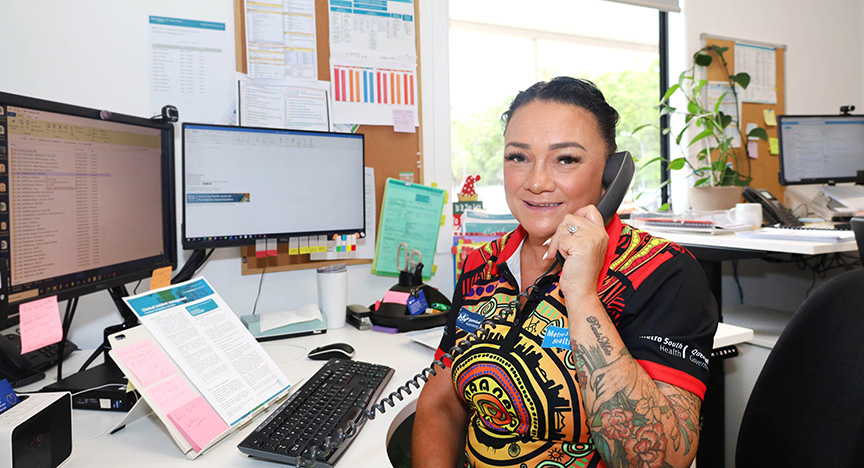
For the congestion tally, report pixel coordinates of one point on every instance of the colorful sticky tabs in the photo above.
(160, 278)
(260, 248)
(39, 324)
(198, 423)
(769, 117)
(294, 246)
(146, 360)
(272, 247)
(774, 145)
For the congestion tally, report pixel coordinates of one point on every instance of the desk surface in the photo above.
(731, 241)
(146, 442)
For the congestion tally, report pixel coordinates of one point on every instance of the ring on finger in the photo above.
(572, 229)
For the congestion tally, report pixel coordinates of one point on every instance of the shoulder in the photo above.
(639, 255)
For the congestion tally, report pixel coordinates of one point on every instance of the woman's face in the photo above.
(553, 164)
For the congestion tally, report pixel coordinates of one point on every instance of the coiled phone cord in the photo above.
(307, 457)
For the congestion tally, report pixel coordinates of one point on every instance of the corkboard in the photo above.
(766, 167)
(389, 152)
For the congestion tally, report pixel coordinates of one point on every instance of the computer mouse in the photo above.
(330, 351)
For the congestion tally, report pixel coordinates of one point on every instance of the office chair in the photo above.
(807, 406)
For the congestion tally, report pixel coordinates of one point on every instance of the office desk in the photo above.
(711, 251)
(146, 443)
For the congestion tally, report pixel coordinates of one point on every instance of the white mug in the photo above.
(333, 294)
(746, 213)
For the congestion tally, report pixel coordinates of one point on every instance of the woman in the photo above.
(625, 387)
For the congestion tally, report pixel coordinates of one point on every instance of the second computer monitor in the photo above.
(243, 184)
(820, 149)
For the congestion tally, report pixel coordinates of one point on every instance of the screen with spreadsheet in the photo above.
(86, 199)
(822, 149)
(243, 184)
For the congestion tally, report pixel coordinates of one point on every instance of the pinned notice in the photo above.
(403, 121)
(160, 278)
(774, 145)
(39, 324)
(769, 117)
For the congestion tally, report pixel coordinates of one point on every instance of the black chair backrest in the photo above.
(858, 228)
(807, 406)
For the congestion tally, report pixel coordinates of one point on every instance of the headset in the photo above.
(617, 175)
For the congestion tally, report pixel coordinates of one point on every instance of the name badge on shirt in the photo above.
(469, 321)
(556, 337)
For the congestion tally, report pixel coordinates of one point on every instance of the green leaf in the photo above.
(725, 120)
(720, 102)
(677, 163)
(693, 107)
(670, 92)
(702, 60)
(742, 79)
(665, 110)
(681, 135)
(701, 182)
(719, 50)
(704, 134)
(759, 133)
(664, 207)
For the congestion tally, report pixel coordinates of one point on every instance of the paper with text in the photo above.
(198, 423)
(39, 324)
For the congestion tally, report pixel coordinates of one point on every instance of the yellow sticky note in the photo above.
(434, 269)
(446, 197)
(774, 145)
(129, 387)
(770, 118)
(160, 278)
(433, 184)
(443, 219)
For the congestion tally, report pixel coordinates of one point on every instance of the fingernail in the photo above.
(545, 254)
(547, 241)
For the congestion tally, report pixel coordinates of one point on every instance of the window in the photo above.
(498, 47)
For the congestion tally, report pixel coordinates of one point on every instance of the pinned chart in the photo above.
(373, 85)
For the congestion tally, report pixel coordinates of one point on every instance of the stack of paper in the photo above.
(799, 234)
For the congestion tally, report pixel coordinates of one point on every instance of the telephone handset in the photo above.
(773, 212)
(616, 179)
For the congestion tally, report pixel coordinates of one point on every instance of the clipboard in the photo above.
(410, 213)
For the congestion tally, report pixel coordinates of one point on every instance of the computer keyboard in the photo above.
(339, 392)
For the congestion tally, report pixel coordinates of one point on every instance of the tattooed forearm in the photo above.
(601, 340)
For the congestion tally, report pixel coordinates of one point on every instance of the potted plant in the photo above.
(717, 165)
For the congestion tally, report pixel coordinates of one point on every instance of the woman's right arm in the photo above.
(439, 424)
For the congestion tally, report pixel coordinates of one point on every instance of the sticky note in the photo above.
(294, 246)
(304, 245)
(753, 149)
(396, 297)
(260, 248)
(146, 361)
(198, 423)
(160, 278)
(171, 394)
(322, 244)
(39, 323)
(403, 121)
(774, 145)
(769, 117)
(272, 247)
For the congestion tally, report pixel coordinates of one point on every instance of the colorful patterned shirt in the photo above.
(525, 404)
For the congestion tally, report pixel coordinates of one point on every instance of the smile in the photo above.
(542, 205)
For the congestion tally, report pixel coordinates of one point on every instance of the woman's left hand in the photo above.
(584, 250)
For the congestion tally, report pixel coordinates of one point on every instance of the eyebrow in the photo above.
(552, 147)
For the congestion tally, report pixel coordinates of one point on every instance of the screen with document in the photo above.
(242, 184)
(820, 149)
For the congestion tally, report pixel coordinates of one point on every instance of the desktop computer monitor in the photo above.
(820, 149)
(86, 200)
(242, 184)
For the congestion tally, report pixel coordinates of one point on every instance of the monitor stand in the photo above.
(102, 387)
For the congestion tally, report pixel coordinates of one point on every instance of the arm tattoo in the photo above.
(601, 339)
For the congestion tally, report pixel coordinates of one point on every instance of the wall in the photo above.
(824, 70)
(94, 53)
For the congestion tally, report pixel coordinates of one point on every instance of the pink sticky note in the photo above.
(147, 361)
(171, 394)
(753, 149)
(198, 422)
(39, 323)
(403, 121)
(260, 248)
(396, 297)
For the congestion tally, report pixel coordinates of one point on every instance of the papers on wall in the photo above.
(721, 91)
(368, 91)
(280, 39)
(198, 338)
(366, 245)
(761, 64)
(191, 66)
(283, 103)
(373, 61)
(410, 213)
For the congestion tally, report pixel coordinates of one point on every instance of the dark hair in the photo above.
(574, 91)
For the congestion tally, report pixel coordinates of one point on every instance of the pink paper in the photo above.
(396, 297)
(39, 323)
(171, 394)
(753, 149)
(403, 121)
(198, 422)
(147, 361)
